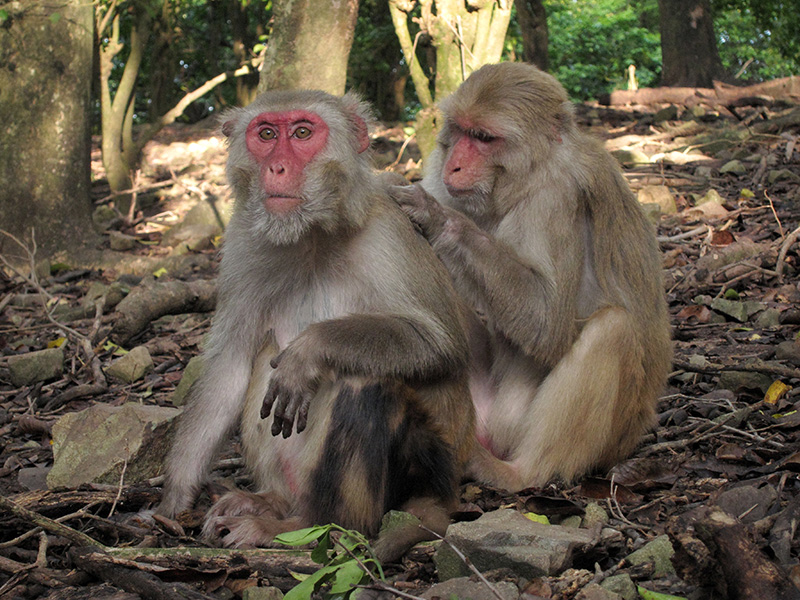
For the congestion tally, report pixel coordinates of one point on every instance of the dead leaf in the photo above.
(695, 314)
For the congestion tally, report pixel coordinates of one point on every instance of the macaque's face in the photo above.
(283, 144)
(468, 167)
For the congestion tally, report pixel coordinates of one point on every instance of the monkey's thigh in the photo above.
(377, 453)
(589, 410)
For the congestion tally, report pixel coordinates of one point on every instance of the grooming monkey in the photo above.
(543, 238)
(336, 320)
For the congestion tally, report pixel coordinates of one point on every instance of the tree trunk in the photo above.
(532, 18)
(466, 34)
(688, 46)
(309, 45)
(45, 148)
(120, 153)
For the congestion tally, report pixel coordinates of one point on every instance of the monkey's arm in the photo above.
(415, 348)
(497, 277)
(214, 407)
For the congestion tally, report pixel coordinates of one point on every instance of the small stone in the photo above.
(744, 380)
(464, 587)
(622, 585)
(594, 591)
(262, 593)
(33, 367)
(770, 318)
(133, 366)
(789, 351)
(194, 368)
(660, 195)
(659, 551)
(595, 515)
(734, 166)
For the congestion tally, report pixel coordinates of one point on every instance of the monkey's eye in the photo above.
(481, 136)
(302, 133)
(267, 134)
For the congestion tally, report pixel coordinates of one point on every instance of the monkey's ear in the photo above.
(227, 128)
(362, 135)
(361, 117)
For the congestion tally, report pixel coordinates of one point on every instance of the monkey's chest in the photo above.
(320, 303)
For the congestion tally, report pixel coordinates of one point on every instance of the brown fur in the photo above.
(549, 245)
(340, 313)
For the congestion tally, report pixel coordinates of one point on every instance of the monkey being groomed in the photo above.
(544, 239)
(336, 320)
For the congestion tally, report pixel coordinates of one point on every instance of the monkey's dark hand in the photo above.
(422, 208)
(293, 384)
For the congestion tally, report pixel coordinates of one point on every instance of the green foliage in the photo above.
(592, 44)
(342, 553)
(756, 37)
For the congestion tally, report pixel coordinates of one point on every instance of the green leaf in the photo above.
(648, 595)
(301, 537)
(55, 18)
(347, 575)
(304, 589)
(3, 16)
(320, 553)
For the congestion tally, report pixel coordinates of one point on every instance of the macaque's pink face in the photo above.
(468, 166)
(283, 144)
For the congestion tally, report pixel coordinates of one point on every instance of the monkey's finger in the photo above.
(302, 416)
(290, 414)
(276, 361)
(269, 400)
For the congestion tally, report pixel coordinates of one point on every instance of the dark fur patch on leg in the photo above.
(381, 444)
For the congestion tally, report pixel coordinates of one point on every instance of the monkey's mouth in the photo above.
(281, 205)
(457, 192)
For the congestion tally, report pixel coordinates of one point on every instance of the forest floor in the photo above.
(725, 194)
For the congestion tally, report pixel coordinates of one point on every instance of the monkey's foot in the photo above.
(247, 531)
(239, 502)
(242, 519)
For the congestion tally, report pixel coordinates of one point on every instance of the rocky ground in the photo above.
(708, 506)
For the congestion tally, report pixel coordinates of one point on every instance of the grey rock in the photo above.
(789, 351)
(95, 444)
(505, 538)
(262, 593)
(594, 591)
(621, 585)
(464, 587)
(659, 551)
(131, 367)
(595, 515)
(660, 195)
(33, 367)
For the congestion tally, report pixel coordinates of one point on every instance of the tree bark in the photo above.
(688, 46)
(45, 100)
(309, 45)
(466, 34)
(532, 18)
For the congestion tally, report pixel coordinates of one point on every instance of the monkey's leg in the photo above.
(593, 406)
